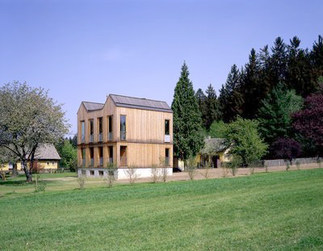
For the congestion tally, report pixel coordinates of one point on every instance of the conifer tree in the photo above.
(230, 99)
(188, 138)
(212, 107)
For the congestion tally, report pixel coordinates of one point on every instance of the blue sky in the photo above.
(84, 50)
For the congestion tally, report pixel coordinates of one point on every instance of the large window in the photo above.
(167, 127)
(110, 127)
(83, 157)
(100, 128)
(82, 131)
(167, 156)
(92, 156)
(101, 155)
(110, 154)
(91, 129)
(122, 127)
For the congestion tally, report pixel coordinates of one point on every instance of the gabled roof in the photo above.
(140, 103)
(214, 145)
(46, 152)
(92, 106)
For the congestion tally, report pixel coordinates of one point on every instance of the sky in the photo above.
(83, 50)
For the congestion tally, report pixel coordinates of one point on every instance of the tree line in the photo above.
(279, 89)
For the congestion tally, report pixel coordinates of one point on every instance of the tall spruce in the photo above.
(201, 100)
(212, 107)
(188, 138)
(230, 98)
(278, 62)
(251, 86)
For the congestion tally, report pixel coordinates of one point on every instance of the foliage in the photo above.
(28, 117)
(217, 129)
(230, 99)
(191, 167)
(40, 186)
(309, 121)
(275, 114)
(155, 173)
(245, 140)
(187, 135)
(286, 148)
(131, 172)
(112, 169)
(68, 155)
(233, 165)
(81, 181)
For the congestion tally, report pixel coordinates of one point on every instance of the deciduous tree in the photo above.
(28, 117)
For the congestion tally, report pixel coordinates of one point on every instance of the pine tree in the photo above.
(188, 138)
(299, 71)
(212, 107)
(201, 100)
(230, 99)
(251, 86)
(278, 62)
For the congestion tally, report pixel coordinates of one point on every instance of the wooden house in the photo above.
(126, 131)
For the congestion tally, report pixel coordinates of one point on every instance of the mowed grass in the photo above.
(281, 211)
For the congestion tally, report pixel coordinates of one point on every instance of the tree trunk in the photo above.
(27, 171)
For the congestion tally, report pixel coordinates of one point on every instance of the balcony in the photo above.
(101, 161)
(167, 139)
(110, 136)
(100, 137)
(91, 138)
(123, 135)
(92, 163)
(83, 139)
(110, 160)
(83, 163)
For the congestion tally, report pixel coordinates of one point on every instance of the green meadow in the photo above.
(267, 211)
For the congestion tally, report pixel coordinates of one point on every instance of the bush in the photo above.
(111, 174)
(81, 181)
(131, 172)
(39, 186)
(155, 173)
(191, 167)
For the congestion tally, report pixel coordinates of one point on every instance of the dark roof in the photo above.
(92, 106)
(47, 151)
(140, 103)
(214, 145)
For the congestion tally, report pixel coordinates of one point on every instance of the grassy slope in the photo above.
(263, 211)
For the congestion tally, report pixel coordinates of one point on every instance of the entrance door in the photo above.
(123, 156)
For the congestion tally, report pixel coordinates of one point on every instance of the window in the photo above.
(110, 154)
(91, 129)
(82, 131)
(167, 127)
(167, 156)
(122, 127)
(123, 155)
(100, 128)
(101, 173)
(92, 156)
(101, 155)
(92, 173)
(110, 127)
(83, 157)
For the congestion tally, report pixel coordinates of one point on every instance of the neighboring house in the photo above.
(215, 151)
(46, 157)
(127, 132)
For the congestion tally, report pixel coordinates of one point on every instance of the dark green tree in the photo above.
(251, 86)
(212, 107)
(188, 138)
(278, 62)
(275, 114)
(201, 100)
(230, 99)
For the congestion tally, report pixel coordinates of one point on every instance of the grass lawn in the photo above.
(282, 210)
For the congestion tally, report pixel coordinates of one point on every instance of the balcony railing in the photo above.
(123, 135)
(91, 138)
(83, 139)
(110, 136)
(92, 162)
(83, 162)
(101, 161)
(100, 137)
(167, 138)
(110, 160)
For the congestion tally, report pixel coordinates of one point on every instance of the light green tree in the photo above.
(245, 140)
(28, 117)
